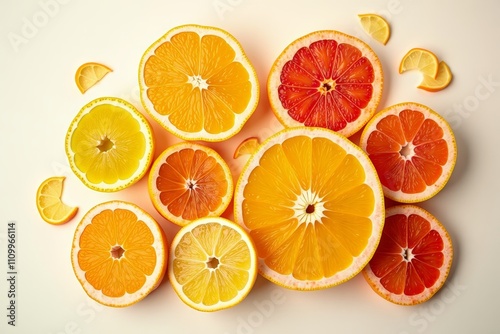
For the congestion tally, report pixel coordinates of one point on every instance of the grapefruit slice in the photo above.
(413, 258)
(312, 202)
(326, 79)
(413, 149)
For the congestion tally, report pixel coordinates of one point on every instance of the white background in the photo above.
(42, 43)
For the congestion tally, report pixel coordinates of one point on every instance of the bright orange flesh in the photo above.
(413, 257)
(190, 181)
(100, 244)
(312, 205)
(412, 149)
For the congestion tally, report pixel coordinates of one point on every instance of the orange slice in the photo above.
(413, 258)
(326, 79)
(420, 59)
(198, 83)
(119, 253)
(49, 203)
(248, 146)
(442, 80)
(89, 74)
(413, 149)
(213, 264)
(189, 181)
(312, 202)
(375, 26)
(109, 144)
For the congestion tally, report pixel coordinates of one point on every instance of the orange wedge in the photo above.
(375, 26)
(88, 74)
(49, 203)
(442, 80)
(248, 146)
(420, 59)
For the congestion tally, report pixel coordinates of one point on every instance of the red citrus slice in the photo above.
(413, 149)
(326, 79)
(413, 258)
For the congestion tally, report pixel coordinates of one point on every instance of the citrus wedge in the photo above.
(118, 254)
(413, 149)
(189, 181)
(326, 79)
(312, 202)
(376, 27)
(248, 146)
(49, 203)
(420, 59)
(213, 264)
(198, 83)
(109, 144)
(442, 80)
(413, 258)
(89, 74)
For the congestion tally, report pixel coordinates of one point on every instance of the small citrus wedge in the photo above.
(212, 264)
(326, 79)
(189, 181)
(89, 74)
(413, 258)
(442, 80)
(49, 203)
(247, 146)
(375, 26)
(109, 144)
(413, 149)
(198, 83)
(420, 59)
(312, 202)
(119, 253)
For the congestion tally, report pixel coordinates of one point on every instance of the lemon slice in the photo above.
(212, 264)
(442, 80)
(109, 144)
(88, 74)
(376, 26)
(420, 59)
(49, 203)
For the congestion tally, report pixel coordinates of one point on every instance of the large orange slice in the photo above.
(326, 79)
(119, 253)
(198, 83)
(312, 202)
(413, 149)
(413, 258)
(189, 181)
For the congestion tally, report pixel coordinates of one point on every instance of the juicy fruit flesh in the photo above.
(208, 84)
(408, 151)
(409, 256)
(49, 201)
(191, 184)
(307, 208)
(326, 84)
(212, 264)
(116, 252)
(108, 144)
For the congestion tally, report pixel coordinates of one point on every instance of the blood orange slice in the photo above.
(413, 258)
(326, 79)
(413, 149)
(190, 181)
